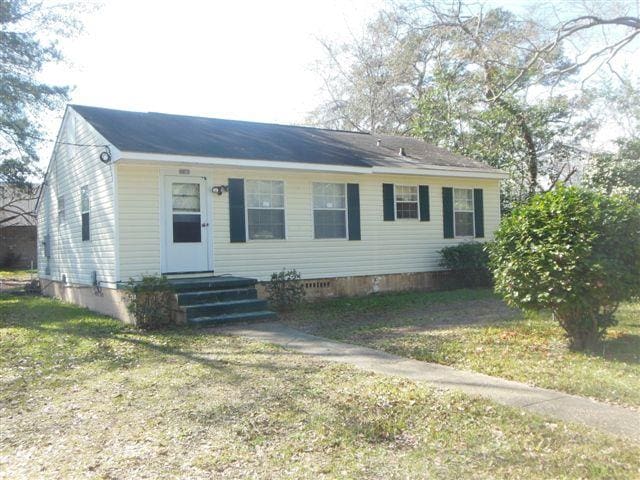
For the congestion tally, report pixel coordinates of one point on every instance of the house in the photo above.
(17, 226)
(129, 194)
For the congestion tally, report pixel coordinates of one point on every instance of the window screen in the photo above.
(329, 210)
(463, 212)
(406, 201)
(265, 209)
(187, 225)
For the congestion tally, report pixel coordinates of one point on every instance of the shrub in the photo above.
(285, 289)
(574, 252)
(150, 301)
(469, 262)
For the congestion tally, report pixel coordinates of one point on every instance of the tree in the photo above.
(572, 251)
(617, 173)
(373, 83)
(28, 41)
(485, 83)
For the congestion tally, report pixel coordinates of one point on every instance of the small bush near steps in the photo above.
(150, 301)
(285, 289)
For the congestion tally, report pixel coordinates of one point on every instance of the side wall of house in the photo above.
(394, 247)
(73, 167)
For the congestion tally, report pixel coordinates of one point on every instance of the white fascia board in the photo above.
(435, 170)
(136, 157)
(441, 171)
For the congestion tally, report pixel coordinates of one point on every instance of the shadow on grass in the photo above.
(55, 337)
(624, 347)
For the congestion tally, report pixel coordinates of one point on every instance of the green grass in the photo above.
(16, 274)
(474, 330)
(83, 396)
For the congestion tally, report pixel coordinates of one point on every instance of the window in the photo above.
(406, 201)
(84, 209)
(61, 212)
(463, 212)
(329, 210)
(265, 209)
(185, 198)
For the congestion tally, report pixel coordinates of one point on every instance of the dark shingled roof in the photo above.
(212, 137)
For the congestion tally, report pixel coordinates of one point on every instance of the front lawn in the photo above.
(474, 330)
(84, 397)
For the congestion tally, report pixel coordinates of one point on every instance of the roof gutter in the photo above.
(432, 170)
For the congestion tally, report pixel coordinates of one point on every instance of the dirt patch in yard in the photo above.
(364, 324)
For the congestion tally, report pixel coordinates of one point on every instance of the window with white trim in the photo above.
(463, 212)
(329, 210)
(265, 209)
(406, 197)
(61, 210)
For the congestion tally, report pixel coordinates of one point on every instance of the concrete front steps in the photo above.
(219, 300)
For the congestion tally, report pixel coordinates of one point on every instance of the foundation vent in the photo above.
(317, 284)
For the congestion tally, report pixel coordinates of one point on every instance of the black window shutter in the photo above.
(86, 236)
(447, 211)
(423, 191)
(353, 210)
(478, 204)
(388, 205)
(237, 228)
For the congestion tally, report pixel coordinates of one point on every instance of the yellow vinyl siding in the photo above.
(139, 220)
(400, 246)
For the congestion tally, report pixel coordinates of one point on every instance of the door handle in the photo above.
(205, 224)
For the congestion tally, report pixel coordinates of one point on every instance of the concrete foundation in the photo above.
(113, 302)
(108, 301)
(319, 288)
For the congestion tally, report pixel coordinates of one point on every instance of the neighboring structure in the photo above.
(17, 227)
(130, 194)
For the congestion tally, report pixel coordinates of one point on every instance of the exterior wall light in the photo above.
(220, 189)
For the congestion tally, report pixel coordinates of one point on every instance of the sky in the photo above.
(233, 59)
(237, 59)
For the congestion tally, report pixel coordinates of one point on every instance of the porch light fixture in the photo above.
(220, 189)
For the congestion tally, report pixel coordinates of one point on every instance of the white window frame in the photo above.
(62, 213)
(472, 211)
(395, 202)
(247, 208)
(313, 209)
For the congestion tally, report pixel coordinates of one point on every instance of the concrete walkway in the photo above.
(608, 418)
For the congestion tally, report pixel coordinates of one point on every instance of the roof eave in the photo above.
(427, 170)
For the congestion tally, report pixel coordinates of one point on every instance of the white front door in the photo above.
(186, 231)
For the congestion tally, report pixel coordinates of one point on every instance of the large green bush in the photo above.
(574, 252)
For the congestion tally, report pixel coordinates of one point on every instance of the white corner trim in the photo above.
(432, 170)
